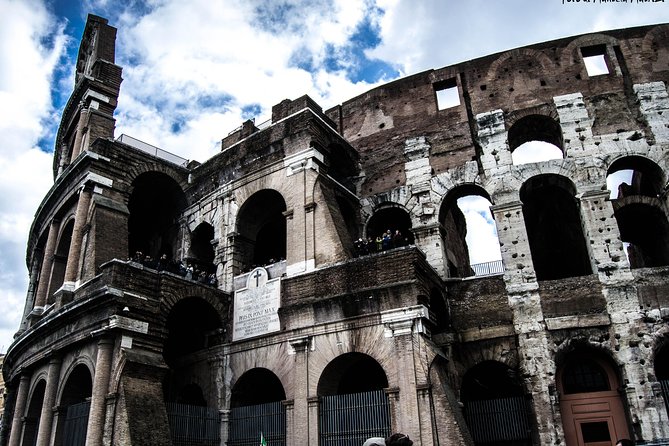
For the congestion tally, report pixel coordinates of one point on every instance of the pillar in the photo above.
(81, 129)
(19, 410)
(304, 422)
(72, 267)
(46, 416)
(47, 264)
(96, 416)
(514, 244)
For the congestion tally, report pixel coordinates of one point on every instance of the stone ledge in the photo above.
(577, 321)
(479, 334)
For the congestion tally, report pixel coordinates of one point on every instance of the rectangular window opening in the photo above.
(595, 60)
(447, 93)
(595, 432)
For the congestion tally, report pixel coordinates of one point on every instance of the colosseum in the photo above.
(311, 283)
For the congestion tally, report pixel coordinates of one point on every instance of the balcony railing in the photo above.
(488, 268)
(152, 150)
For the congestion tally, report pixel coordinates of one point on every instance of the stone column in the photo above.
(514, 245)
(81, 129)
(47, 264)
(46, 416)
(71, 270)
(301, 413)
(96, 416)
(19, 410)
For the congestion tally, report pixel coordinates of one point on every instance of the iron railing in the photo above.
(488, 268)
(247, 423)
(665, 393)
(193, 425)
(152, 150)
(498, 420)
(76, 422)
(349, 420)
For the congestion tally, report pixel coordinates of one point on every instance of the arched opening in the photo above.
(388, 228)
(60, 259)
(439, 309)
(33, 413)
(634, 175)
(74, 408)
(588, 379)
(201, 253)
(352, 387)
(644, 231)
(192, 413)
(155, 205)
(495, 407)
(342, 165)
(261, 230)
(469, 233)
(662, 371)
(554, 228)
(256, 407)
(535, 138)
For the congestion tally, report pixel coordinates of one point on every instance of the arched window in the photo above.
(588, 379)
(155, 204)
(554, 228)
(256, 407)
(495, 407)
(535, 138)
(469, 233)
(391, 223)
(352, 387)
(261, 230)
(32, 417)
(201, 251)
(634, 175)
(76, 404)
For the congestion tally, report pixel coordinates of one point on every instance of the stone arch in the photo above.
(135, 170)
(654, 46)
(646, 177)
(257, 386)
(33, 411)
(74, 404)
(509, 57)
(344, 374)
(155, 205)
(554, 227)
(61, 255)
(389, 217)
(571, 54)
(530, 130)
(260, 230)
(454, 226)
(590, 376)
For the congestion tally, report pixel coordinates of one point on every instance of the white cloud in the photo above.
(481, 239)
(31, 43)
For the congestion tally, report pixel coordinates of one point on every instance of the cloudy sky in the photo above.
(195, 70)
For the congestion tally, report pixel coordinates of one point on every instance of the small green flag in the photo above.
(262, 440)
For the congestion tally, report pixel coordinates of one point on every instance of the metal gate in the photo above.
(348, 420)
(76, 421)
(499, 420)
(193, 425)
(249, 422)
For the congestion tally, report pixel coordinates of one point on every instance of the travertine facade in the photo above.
(265, 316)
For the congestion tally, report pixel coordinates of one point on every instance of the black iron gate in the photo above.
(249, 422)
(665, 393)
(193, 425)
(76, 421)
(499, 421)
(348, 420)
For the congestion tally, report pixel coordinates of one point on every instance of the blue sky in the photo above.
(195, 70)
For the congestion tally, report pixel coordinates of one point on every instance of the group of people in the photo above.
(189, 271)
(383, 242)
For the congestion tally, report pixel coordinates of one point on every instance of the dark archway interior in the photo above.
(342, 165)
(646, 230)
(262, 229)
(393, 219)
(78, 388)
(191, 394)
(535, 128)
(646, 176)
(490, 380)
(662, 363)
(201, 250)
(33, 413)
(188, 325)
(350, 221)
(439, 308)
(352, 373)
(257, 386)
(554, 229)
(155, 205)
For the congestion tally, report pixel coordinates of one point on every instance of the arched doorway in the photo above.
(353, 404)
(192, 412)
(590, 403)
(201, 253)
(495, 407)
(75, 403)
(257, 409)
(33, 413)
(554, 228)
(261, 231)
(392, 221)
